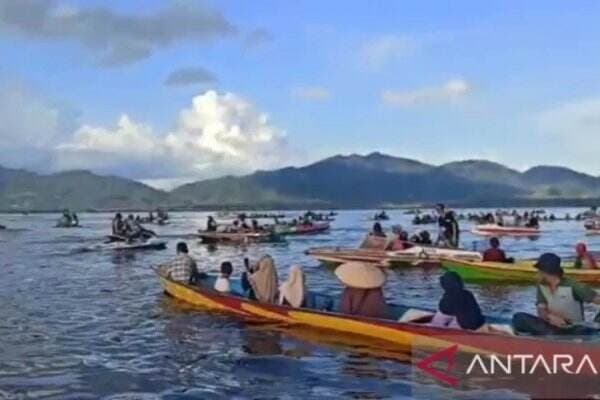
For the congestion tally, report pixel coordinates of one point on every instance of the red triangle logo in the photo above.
(444, 355)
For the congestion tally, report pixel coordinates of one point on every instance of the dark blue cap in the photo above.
(549, 263)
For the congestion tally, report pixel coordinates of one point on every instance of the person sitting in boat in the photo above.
(118, 227)
(183, 269)
(132, 228)
(400, 242)
(559, 302)
(363, 293)
(264, 280)
(222, 283)
(495, 253)
(245, 281)
(584, 259)
(292, 292)
(211, 224)
(65, 220)
(425, 238)
(376, 239)
(533, 222)
(457, 308)
(255, 226)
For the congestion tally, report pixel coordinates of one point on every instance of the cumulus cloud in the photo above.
(380, 51)
(450, 91)
(257, 38)
(190, 76)
(311, 93)
(113, 38)
(218, 134)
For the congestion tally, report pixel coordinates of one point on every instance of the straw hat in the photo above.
(360, 275)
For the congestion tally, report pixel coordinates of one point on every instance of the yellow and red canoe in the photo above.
(409, 335)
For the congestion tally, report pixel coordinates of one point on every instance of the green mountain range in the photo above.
(355, 181)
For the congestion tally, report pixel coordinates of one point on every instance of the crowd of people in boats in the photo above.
(559, 300)
(130, 228)
(243, 224)
(448, 234)
(68, 219)
(530, 218)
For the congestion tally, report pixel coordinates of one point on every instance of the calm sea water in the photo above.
(80, 323)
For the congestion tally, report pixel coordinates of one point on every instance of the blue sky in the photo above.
(515, 82)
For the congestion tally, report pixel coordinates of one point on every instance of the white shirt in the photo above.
(222, 285)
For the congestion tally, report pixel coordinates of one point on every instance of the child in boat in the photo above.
(363, 294)
(584, 259)
(495, 253)
(222, 283)
(457, 308)
(292, 292)
(376, 239)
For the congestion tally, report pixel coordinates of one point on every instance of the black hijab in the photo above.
(459, 302)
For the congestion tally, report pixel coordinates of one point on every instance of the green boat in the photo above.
(520, 271)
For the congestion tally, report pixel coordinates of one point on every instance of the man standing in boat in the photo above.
(448, 229)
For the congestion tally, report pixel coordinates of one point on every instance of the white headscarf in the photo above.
(292, 290)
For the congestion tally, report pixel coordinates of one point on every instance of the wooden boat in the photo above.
(139, 246)
(497, 230)
(417, 255)
(405, 328)
(302, 229)
(521, 271)
(120, 243)
(236, 238)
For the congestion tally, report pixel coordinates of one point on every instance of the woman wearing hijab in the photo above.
(458, 308)
(292, 292)
(264, 280)
(363, 294)
(584, 259)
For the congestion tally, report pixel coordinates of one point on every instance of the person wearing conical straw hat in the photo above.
(363, 294)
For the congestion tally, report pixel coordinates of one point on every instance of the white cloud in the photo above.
(311, 93)
(217, 134)
(380, 51)
(450, 91)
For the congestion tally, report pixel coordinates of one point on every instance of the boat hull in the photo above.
(511, 273)
(417, 256)
(238, 238)
(303, 229)
(496, 230)
(405, 335)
